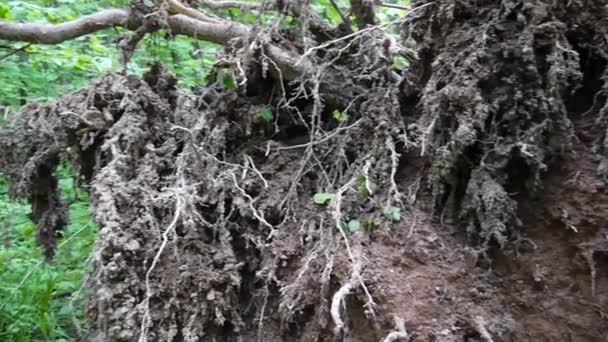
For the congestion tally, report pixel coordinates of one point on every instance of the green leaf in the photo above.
(339, 116)
(400, 63)
(327, 10)
(227, 80)
(96, 45)
(5, 12)
(323, 198)
(354, 226)
(362, 187)
(265, 114)
(82, 63)
(392, 213)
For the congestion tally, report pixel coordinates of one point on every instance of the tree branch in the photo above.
(15, 51)
(55, 34)
(220, 4)
(179, 8)
(219, 33)
(290, 65)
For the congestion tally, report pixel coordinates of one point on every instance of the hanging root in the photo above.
(337, 303)
(194, 216)
(400, 333)
(356, 265)
(170, 230)
(480, 326)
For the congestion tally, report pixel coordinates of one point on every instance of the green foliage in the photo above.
(351, 226)
(400, 63)
(43, 72)
(362, 187)
(392, 213)
(354, 226)
(190, 60)
(265, 114)
(323, 198)
(328, 11)
(339, 116)
(245, 17)
(226, 79)
(289, 24)
(41, 301)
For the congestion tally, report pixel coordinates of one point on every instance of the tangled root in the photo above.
(207, 221)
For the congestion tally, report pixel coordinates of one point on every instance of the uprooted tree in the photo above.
(316, 192)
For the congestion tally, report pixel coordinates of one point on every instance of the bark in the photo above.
(57, 33)
(232, 4)
(220, 32)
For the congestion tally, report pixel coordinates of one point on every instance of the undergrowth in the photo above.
(27, 74)
(43, 301)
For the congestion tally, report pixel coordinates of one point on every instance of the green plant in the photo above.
(43, 72)
(363, 187)
(392, 213)
(265, 114)
(226, 79)
(339, 116)
(352, 226)
(323, 198)
(41, 301)
(328, 11)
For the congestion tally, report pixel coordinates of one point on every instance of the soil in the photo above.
(468, 192)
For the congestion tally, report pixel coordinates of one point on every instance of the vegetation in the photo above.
(43, 301)
(43, 72)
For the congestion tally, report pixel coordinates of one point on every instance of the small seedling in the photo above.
(392, 213)
(323, 198)
(227, 80)
(400, 62)
(354, 226)
(362, 187)
(339, 115)
(289, 23)
(351, 226)
(265, 114)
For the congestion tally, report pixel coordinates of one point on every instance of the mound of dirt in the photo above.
(462, 199)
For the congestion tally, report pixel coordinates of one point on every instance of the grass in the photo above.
(42, 301)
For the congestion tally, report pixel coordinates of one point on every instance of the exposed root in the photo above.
(338, 301)
(399, 334)
(145, 322)
(220, 202)
(480, 326)
(356, 279)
